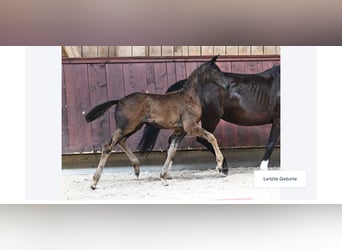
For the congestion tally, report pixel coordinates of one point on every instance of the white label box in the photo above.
(279, 179)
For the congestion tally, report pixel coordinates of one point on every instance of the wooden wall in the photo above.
(88, 82)
(118, 51)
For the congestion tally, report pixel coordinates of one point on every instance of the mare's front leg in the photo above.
(196, 130)
(174, 141)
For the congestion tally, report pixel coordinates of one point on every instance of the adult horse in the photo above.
(251, 100)
(180, 111)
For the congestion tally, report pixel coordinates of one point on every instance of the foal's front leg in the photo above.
(196, 130)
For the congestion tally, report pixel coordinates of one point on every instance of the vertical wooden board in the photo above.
(160, 78)
(89, 51)
(135, 81)
(189, 68)
(167, 50)
(139, 50)
(150, 78)
(257, 50)
(238, 67)
(111, 51)
(232, 50)
(134, 78)
(123, 51)
(185, 50)
(102, 51)
(171, 73)
(98, 95)
(180, 71)
(225, 66)
(194, 50)
(207, 50)
(244, 50)
(253, 67)
(65, 128)
(177, 50)
(220, 50)
(269, 50)
(77, 98)
(115, 88)
(155, 51)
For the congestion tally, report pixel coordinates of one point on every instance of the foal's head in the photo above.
(208, 72)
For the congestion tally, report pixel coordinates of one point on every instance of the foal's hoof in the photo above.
(92, 187)
(163, 178)
(137, 174)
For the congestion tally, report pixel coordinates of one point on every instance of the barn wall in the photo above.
(124, 51)
(88, 82)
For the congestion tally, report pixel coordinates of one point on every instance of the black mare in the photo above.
(251, 99)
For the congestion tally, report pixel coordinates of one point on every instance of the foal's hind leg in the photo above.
(175, 139)
(196, 130)
(106, 151)
(134, 160)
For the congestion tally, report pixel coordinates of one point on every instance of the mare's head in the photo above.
(208, 72)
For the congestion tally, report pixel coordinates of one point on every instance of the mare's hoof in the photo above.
(92, 187)
(224, 171)
(137, 174)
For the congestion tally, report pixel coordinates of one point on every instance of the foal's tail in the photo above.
(99, 110)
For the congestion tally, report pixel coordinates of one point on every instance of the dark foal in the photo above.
(251, 100)
(180, 111)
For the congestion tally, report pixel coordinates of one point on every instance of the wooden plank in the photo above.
(244, 50)
(253, 67)
(194, 50)
(111, 51)
(73, 51)
(257, 50)
(232, 50)
(269, 50)
(177, 50)
(150, 78)
(102, 51)
(134, 78)
(139, 51)
(167, 50)
(98, 95)
(155, 51)
(77, 99)
(180, 71)
(123, 51)
(238, 67)
(171, 73)
(65, 127)
(115, 88)
(160, 77)
(220, 50)
(89, 51)
(207, 50)
(185, 50)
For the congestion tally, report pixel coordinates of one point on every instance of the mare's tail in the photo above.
(150, 134)
(99, 110)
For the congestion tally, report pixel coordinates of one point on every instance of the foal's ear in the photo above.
(213, 60)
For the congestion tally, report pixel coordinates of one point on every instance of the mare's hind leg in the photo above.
(196, 130)
(174, 141)
(134, 160)
(106, 151)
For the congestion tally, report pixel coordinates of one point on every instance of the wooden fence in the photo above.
(91, 81)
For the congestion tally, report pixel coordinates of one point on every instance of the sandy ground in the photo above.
(201, 185)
